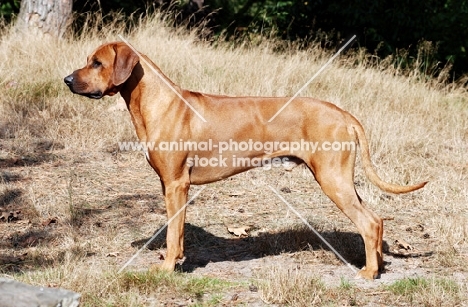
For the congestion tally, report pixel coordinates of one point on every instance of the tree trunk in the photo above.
(50, 17)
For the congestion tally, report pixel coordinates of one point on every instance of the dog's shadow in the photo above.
(202, 247)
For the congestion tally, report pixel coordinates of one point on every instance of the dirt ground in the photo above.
(110, 203)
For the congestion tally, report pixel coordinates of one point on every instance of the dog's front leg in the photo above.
(175, 197)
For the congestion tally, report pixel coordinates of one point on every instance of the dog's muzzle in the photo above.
(70, 82)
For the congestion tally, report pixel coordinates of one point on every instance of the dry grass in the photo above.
(85, 207)
(427, 292)
(293, 286)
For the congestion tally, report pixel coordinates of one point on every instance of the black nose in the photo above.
(68, 80)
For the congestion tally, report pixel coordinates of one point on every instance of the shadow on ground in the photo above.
(36, 153)
(202, 247)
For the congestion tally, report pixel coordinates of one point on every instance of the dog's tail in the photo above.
(369, 169)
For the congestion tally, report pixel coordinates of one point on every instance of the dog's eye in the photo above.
(96, 64)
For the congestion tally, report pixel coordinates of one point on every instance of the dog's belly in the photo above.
(206, 169)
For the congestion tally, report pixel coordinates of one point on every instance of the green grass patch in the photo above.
(427, 291)
(408, 286)
(195, 286)
(345, 284)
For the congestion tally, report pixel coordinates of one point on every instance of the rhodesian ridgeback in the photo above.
(163, 112)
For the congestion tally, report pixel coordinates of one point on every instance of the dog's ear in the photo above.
(125, 60)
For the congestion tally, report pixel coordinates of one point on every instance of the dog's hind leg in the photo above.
(336, 180)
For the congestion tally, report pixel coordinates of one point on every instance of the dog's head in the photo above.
(107, 68)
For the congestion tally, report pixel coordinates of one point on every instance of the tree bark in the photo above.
(51, 17)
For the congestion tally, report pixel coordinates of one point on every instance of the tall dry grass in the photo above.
(418, 130)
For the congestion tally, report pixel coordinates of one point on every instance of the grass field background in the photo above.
(75, 208)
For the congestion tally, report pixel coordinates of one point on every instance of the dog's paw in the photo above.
(365, 273)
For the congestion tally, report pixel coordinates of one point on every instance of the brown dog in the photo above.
(163, 112)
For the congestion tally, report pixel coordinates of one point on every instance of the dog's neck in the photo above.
(149, 95)
(145, 72)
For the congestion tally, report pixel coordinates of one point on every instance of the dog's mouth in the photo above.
(94, 95)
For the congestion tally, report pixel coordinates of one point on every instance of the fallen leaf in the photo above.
(403, 244)
(10, 216)
(49, 221)
(239, 231)
(404, 249)
(285, 190)
(234, 297)
(237, 193)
